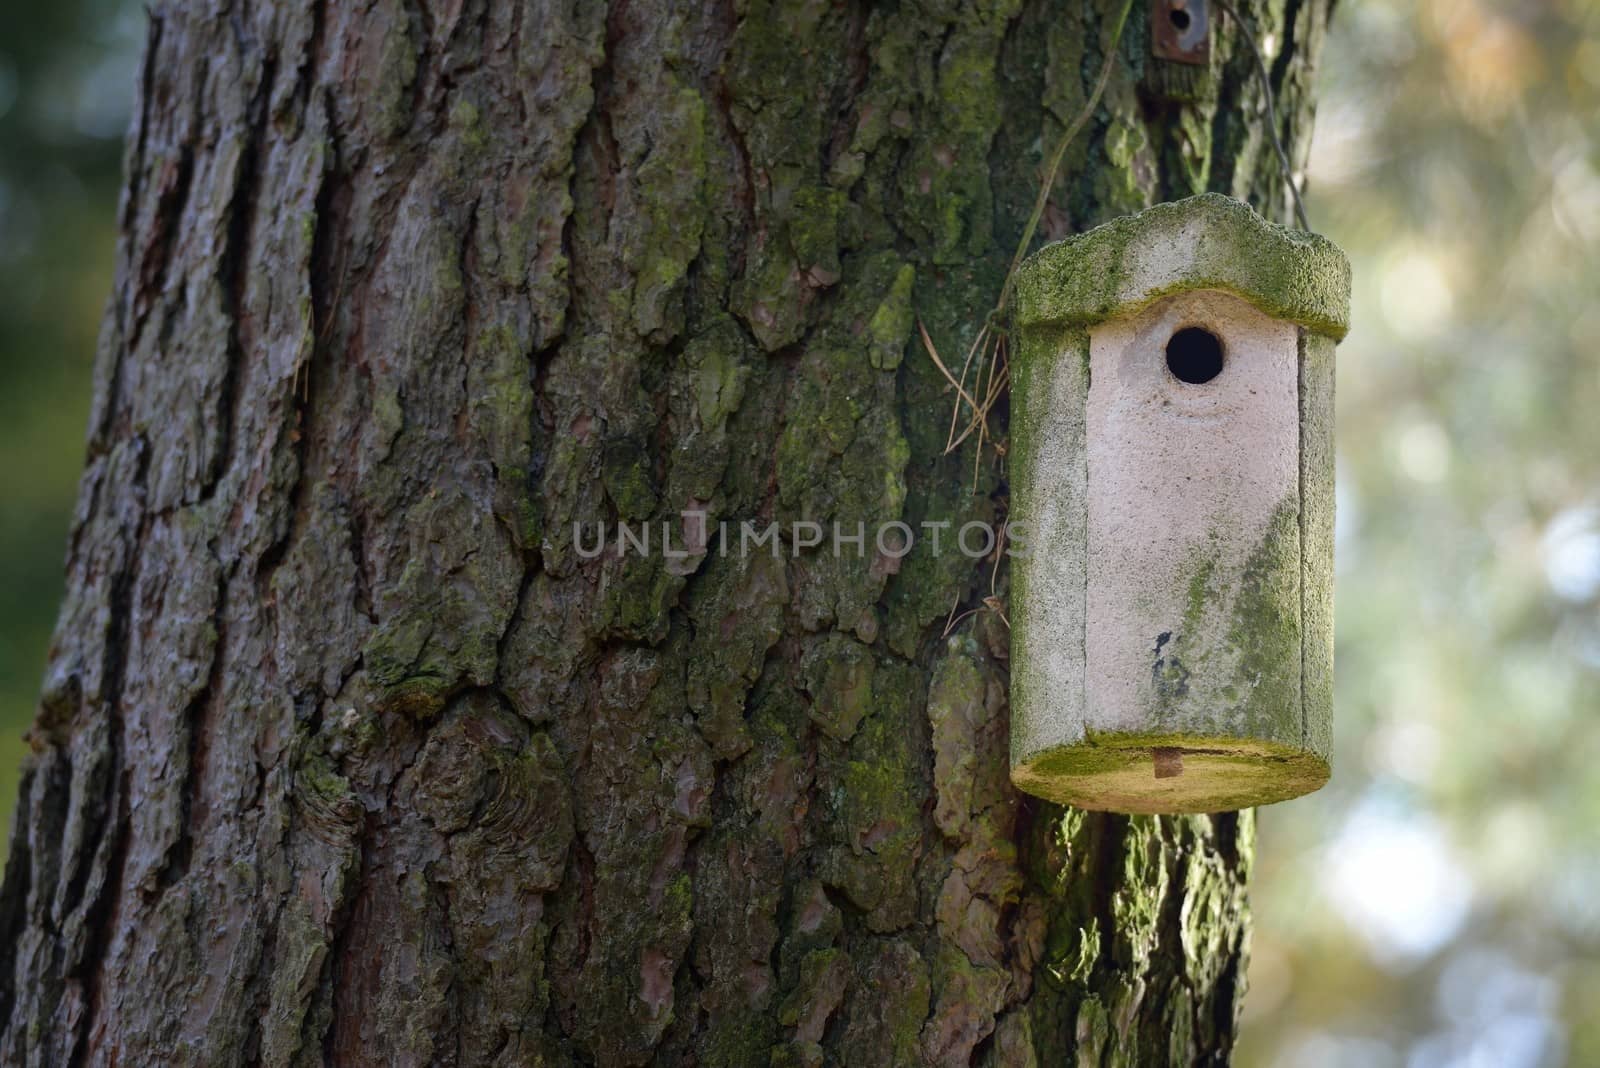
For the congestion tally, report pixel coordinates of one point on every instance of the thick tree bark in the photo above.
(345, 752)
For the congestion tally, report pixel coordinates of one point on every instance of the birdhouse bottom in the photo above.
(1170, 773)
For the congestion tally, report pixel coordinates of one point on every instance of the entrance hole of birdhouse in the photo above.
(1194, 355)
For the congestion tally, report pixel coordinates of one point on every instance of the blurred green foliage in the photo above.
(1439, 902)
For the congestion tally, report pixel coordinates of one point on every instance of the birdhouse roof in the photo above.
(1208, 241)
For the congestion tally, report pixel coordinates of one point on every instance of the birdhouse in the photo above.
(1171, 471)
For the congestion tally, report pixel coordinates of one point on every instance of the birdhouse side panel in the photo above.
(1316, 536)
(1048, 493)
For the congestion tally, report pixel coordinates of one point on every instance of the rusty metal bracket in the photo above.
(1180, 31)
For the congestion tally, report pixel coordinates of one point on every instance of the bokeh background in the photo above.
(1439, 902)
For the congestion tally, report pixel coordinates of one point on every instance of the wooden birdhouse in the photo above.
(1172, 496)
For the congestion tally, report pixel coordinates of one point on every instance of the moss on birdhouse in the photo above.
(1208, 241)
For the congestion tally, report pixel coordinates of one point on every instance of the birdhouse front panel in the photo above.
(1171, 478)
(1193, 533)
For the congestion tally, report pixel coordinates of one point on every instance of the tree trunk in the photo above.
(349, 752)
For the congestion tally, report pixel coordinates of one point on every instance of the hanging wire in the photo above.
(1272, 114)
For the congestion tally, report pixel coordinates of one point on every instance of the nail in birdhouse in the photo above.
(1172, 483)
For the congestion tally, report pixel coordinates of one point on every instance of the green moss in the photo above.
(391, 650)
(1204, 926)
(908, 1011)
(388, 418)
(1118, 188)
(315, 778)
(1075, 962)
(719, 384)
(956, 694)
(873, 791)
(821, 979)
(1316, 538)
(812, 228)
(891, 323)
(500, 392)
(441, 618)
(1033, 352)
(966, 998)
(467, 123)
(1136, 904)
(516, 505)
(637, 595)
(625, 468)
(670, 185)
(1287, 274)
(737, 610)
(419, 697)
(940, 488)
(839, 673)
(842, 452)
(1094, 1032)
(1265, 631)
